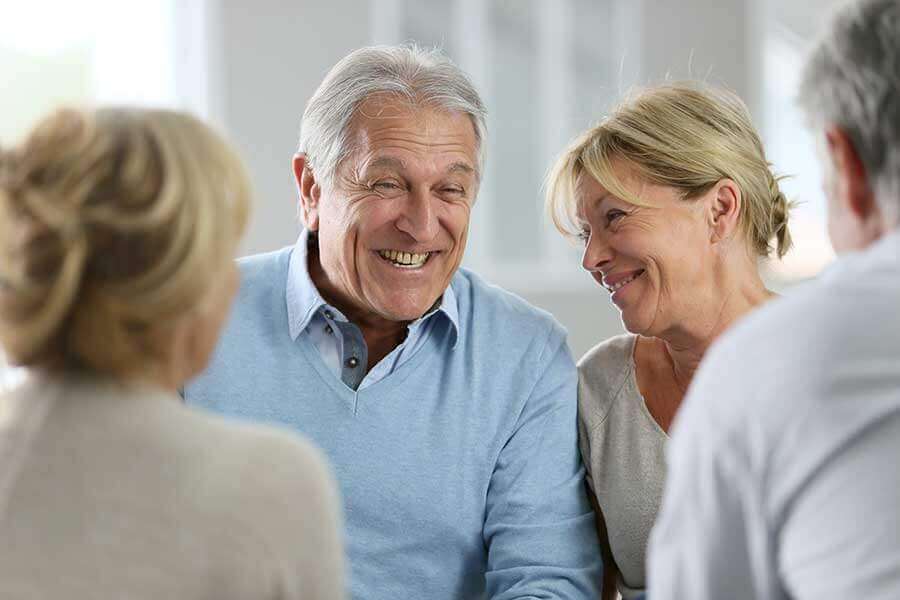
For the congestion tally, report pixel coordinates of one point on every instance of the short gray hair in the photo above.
(852, 80)
(424, 77)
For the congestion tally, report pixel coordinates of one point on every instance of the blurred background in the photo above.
(546, 69)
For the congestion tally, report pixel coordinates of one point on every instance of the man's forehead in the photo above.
(381, 161)
(386, 114)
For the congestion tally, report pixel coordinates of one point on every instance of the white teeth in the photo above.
(616, 286)
(406, 260)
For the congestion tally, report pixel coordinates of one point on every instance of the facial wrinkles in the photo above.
(683, 287)
(644, 222)
(417, 151)
(640, 234)
(413, 130)
(435, 172)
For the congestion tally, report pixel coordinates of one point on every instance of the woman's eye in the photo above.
(584, 235)
(613, 215)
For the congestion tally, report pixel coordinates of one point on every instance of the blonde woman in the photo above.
(117, 231)
(676, 204)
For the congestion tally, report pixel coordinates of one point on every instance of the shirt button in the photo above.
(352, 362)
(328, 314)
(329, 330)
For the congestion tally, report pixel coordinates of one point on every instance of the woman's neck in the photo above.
(685, 345)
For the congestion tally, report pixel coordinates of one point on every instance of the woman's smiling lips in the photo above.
(615, 282)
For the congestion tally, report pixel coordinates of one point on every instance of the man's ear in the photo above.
(309, 190)
(723, 208)
(851, 182)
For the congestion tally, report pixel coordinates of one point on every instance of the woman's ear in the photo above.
(309, 190)
(723, 208)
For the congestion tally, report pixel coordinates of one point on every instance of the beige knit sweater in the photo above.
(108, 492)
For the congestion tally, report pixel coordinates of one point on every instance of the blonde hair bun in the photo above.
(113, 222)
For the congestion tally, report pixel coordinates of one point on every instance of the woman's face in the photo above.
(655, 260)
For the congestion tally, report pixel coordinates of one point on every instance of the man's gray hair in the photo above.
(852, 80)
(421, 77)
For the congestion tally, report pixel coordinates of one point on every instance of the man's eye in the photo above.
(458, 191)
(386, 185)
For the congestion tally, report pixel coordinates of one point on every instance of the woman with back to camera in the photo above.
(117, 234)
(676, 205)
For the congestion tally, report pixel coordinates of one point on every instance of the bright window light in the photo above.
(791, 149)
(103, 51)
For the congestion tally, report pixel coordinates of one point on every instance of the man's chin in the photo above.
(411, 314)
(405, 310)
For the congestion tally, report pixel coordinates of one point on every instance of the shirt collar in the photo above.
(304, 300)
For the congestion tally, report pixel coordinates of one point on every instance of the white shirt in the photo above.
(783, 479)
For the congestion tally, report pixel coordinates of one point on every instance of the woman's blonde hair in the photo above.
(685, 135)
(113, 224)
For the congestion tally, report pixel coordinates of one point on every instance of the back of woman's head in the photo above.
(114, 223)
(686, 135)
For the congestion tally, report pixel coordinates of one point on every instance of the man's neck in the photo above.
(381, 335)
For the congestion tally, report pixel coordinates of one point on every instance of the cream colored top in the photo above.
(108, 492)
(623, 451)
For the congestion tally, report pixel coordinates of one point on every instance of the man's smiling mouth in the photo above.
(405, 260)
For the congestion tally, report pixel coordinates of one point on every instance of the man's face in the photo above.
(392, 228)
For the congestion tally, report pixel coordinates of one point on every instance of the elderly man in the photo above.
(446, 405)
(783, 479)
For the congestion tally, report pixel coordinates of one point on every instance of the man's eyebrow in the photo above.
(460, 167)
(386, 162)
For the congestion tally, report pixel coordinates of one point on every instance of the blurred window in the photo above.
(791, 148)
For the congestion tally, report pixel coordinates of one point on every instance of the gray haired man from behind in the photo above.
(783, 478)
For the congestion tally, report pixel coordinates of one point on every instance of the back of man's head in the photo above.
(852, 81)
(415, 75)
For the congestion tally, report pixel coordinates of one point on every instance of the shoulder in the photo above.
(272, 489)
(502, 315)
(792, 347)
(819, 323)
(261, 293)
(265, 268)
(602, 374)
(610, 357)
(263, 472)
(804, 335)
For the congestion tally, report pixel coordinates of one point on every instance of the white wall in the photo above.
(270, 55)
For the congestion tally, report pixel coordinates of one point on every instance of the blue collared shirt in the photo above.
(459, 469)
(340, 343)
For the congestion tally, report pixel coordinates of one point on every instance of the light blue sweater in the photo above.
(460, 470)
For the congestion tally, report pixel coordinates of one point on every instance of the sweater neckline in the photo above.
(636, 391)
(355, 398)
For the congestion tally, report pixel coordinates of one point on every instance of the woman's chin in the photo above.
(634, 323)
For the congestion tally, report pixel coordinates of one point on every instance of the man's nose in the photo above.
(419, 219)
